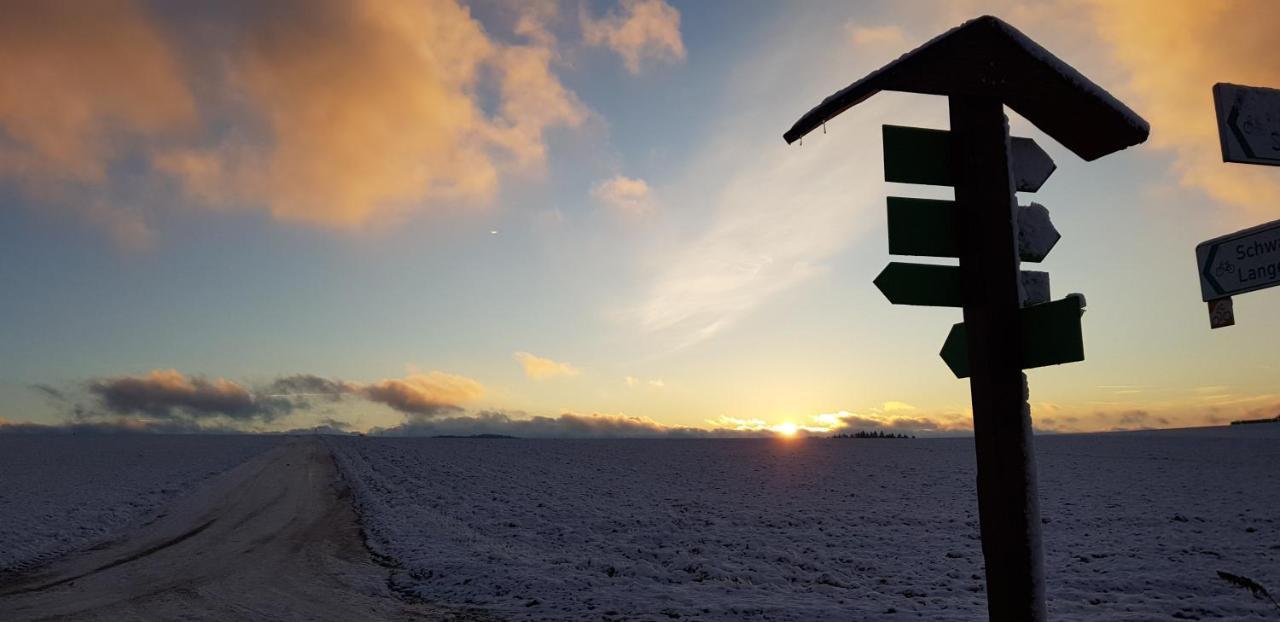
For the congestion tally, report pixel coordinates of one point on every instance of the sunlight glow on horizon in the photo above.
(786, 428)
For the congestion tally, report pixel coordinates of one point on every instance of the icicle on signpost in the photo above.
(1009, 322)
(1244, 261)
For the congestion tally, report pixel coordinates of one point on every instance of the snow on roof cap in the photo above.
(988, 57)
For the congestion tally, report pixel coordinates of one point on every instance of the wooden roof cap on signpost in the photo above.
(988, 57)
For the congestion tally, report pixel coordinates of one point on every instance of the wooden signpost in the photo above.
(1009, 322)
(1248, 260)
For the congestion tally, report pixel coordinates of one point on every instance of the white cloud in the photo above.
(633, 382)
(778, 216)
(736, 423)
(645, 29)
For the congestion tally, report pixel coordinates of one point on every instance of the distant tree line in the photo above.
(873, 434)
(1275, 419)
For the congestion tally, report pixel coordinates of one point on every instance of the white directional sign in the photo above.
(1248, 123)
(1240, 262)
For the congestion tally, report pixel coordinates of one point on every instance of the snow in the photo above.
(1036, 233)
(61, 493)
(1136, 525)
(1035, 287)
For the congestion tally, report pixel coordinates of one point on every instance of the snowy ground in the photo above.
(273, 539)
(1136, 525)
(64, 493)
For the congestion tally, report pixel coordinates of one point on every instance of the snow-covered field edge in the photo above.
(367, 505)
(81, 492)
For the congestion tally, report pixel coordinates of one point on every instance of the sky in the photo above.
(576, 218)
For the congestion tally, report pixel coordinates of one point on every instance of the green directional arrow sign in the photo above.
(931, 228)
(1050, 336)
(920, 284)
(939, 286)
(914, 155)
(923, 227)
(955, 351)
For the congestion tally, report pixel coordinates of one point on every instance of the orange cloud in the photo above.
(644, 29)
(540, 368)
(373, 112)
(80, 85)
(1173, 53)
(875, 35)
(624, 195)
(341, 114)
(78, 78)
(432, 393)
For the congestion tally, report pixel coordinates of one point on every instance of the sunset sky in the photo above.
(549, 218)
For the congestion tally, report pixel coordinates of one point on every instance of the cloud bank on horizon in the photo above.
(434, 404)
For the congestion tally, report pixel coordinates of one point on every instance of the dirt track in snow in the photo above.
(272, 539)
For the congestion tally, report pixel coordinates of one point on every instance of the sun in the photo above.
(786, 428)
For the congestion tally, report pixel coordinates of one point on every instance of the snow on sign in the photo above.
(1248, 123)
(1240, 262)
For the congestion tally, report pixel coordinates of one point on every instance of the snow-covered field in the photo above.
(1136, 525)
(64, 493)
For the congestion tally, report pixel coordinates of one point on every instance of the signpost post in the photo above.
(1009, 323)
(1248, 260)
